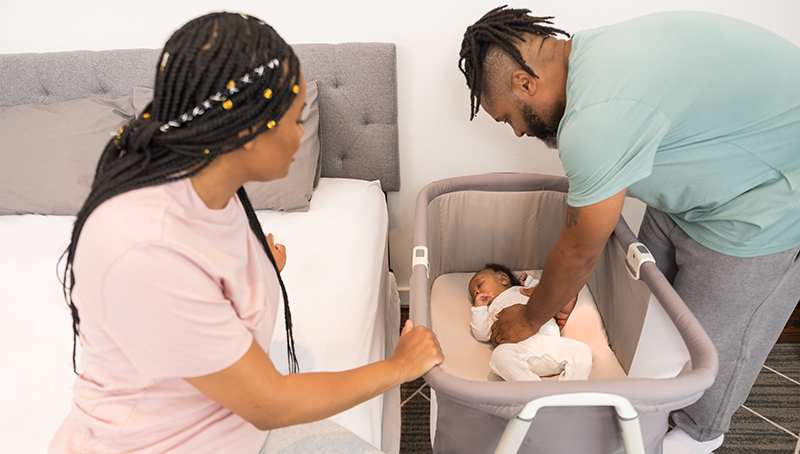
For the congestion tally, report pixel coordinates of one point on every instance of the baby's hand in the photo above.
(483, 299)
(527, 291)
(522, 278)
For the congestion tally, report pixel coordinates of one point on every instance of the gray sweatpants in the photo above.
(742, 303)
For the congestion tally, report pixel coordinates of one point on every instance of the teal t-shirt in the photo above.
(698, 115)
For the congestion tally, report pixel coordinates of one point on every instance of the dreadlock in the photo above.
(503, 28)
(218, 75)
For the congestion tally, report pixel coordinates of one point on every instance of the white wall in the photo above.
(437, 140)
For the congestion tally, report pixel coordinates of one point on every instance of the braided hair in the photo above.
(218, 75)
(502, 28)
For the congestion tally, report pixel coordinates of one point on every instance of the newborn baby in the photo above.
(545, 353)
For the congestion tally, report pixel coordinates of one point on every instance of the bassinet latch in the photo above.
(637, 254)
(421, 258)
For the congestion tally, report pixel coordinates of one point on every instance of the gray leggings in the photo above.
(742, 303)
(321, 437)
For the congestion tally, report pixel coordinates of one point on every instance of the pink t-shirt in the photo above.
(165, 288)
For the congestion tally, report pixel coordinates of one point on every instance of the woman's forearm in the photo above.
(301, 398)
(253, 389)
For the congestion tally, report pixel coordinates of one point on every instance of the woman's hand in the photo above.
(278, 251)
(417, 352)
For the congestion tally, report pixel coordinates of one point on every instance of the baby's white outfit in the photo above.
(545, 353)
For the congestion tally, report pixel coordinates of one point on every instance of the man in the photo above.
(698, 116)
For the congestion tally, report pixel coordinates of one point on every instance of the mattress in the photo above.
(467, 358)
(336, 277)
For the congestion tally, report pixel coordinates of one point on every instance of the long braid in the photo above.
(255, 225)
(503, 28)
(186, 125)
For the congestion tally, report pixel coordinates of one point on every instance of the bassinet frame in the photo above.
(472, 415)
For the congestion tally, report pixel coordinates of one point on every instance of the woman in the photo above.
(173, 286)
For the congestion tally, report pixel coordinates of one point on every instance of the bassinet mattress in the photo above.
(467, 358)
(336, 260)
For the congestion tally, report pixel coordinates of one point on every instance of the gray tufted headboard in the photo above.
(357, 84)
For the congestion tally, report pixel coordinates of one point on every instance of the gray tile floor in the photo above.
(768, 422)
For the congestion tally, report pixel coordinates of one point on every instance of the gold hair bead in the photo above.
(268, 93)
(271, 124)
(146, 116)
(206, 151)
(227, 105)
(230, 85)
(296, 89)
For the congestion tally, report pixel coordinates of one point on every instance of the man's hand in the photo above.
(278, 251)
(563, 315)
(512, 326)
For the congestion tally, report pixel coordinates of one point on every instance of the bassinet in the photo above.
(463, 223)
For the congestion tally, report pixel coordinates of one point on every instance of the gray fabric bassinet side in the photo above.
(515, 219)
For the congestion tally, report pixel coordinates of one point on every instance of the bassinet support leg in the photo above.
(628, 419)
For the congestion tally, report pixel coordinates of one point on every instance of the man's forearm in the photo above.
(569, 265)
(563, 277)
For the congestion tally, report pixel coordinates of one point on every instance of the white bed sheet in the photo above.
(333, 277)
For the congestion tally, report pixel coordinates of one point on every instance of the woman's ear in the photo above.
(249, 144)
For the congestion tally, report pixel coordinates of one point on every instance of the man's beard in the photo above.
(537, 128)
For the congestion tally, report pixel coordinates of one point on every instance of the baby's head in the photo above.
(493, 279)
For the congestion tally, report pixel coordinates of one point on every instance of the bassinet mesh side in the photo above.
(467, 229)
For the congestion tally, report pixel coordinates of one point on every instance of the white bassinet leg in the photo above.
(434, 415)
(628, 419)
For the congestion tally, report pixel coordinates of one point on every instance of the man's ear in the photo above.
(523, 83)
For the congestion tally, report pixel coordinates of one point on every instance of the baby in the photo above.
(545, 353)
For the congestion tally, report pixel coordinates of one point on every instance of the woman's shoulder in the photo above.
(138, 213)
(167, 216)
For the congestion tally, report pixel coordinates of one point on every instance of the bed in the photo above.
(59, 109)
(646, 345)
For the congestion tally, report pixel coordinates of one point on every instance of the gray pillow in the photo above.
(293, 193)
(50, 151)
